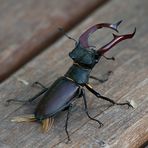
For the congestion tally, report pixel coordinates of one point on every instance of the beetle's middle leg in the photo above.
(86, 109)
(105, 76)
(98, 95)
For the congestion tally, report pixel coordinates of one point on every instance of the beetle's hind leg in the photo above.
(27, 101)
(44, 89)
(86, 109)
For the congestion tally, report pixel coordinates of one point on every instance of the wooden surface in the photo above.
(28, 27)
(123, 127)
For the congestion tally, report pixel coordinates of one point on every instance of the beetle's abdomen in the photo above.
(59, 95)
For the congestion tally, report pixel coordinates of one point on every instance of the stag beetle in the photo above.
(61, 94)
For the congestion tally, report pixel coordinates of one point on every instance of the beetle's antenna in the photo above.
(64, 33)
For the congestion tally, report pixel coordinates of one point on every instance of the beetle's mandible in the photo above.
(61, 94)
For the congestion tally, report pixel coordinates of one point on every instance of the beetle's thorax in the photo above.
(78, 74)
(84, 61)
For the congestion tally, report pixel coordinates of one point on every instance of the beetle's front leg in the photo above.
(104, 79)
(105, 98)
(109, 58)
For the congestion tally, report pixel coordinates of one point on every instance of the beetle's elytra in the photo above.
(61, 94)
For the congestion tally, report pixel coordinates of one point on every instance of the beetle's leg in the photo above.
(105, 98)
(39, 84)
(64, 33)
(86, 109)
(29, 100)
(98, 79)
(109, 58)
(102, 80)
(66, 123)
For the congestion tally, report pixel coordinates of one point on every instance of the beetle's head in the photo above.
(85, 55)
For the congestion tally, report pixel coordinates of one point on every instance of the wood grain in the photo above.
(123, 127)
(28, 27)
(139, 136)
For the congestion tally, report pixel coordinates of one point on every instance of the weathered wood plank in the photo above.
(27, 27)
(140, 135)
(129, 81)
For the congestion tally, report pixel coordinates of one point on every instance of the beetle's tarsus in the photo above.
(109, 58)
(101, 124)
(113, 102)
(15, 100)
(66, 123)
(68, 141)
(126, 103)
(39, 84)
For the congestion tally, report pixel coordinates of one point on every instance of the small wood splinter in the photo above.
(132, 103)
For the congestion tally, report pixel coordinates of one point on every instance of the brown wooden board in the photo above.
(27, 27)
(123, 127)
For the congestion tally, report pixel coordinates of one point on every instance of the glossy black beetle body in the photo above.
(54, 100)
(60, 95)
